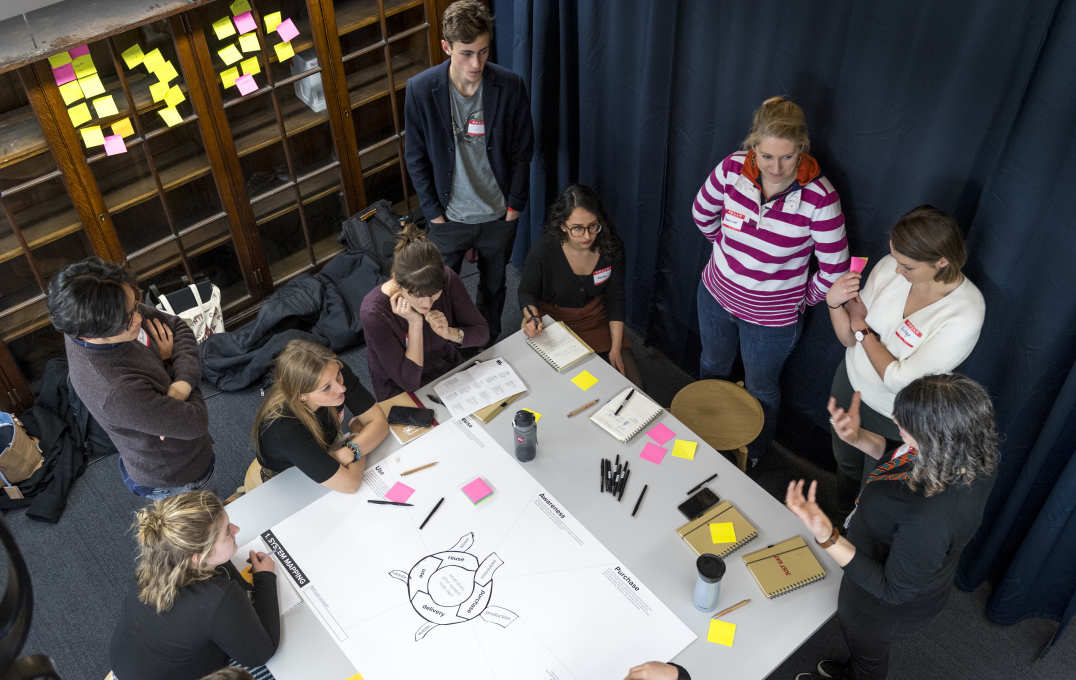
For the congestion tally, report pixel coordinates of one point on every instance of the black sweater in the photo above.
(547, 277)
(907, 550)
(210, 622)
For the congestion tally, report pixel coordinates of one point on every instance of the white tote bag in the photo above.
(205, 318)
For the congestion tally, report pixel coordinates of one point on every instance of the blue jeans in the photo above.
(764, 350)
(158, 493)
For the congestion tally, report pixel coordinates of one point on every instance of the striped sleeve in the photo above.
(830, 240)
(706, 210)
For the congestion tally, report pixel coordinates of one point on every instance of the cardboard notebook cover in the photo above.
(560, 346)
(696, 533)
(404, 433)
(488, 413)
(784, 567)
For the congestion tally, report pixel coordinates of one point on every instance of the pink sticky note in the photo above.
(660, 433)
(64, 74)
(246, 84)
(477, 490)
(858, 263)
(286, 30)
(114, 145)
(399, 492)
(244, 23)
(79, 51)
(652, 452)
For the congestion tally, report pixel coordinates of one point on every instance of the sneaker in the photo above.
(828, 668)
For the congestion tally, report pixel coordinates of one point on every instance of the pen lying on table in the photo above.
(391, 503)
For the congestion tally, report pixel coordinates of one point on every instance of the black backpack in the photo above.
(373, 232)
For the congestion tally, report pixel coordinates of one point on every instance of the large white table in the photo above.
(567, 464)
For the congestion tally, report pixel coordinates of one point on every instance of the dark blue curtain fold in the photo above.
(966, 105)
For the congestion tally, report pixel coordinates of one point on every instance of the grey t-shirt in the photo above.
(475, 195)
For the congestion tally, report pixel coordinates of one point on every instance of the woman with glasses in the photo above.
(575, 274)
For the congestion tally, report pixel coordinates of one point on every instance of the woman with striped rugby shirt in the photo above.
(766, 209)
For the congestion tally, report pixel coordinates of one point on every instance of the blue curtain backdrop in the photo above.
(966, 105)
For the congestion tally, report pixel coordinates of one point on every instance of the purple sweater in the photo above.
(386, 339)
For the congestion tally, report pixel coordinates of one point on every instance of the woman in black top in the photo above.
(301, 419)
(916, 512)
(575, 274)
(190, 611)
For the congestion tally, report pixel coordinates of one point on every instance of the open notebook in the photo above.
(696, 533)
(784, 567)
(638, 412)
(560, 346)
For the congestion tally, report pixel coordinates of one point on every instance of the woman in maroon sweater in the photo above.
(416, 322)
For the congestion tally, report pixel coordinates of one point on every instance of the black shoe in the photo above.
(828, 668)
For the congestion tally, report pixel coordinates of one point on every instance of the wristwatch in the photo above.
(355, 448)
(862, 335)
(833, 536)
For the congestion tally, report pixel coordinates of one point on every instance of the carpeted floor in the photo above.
(82, 566)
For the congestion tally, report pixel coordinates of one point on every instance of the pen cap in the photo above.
(711, 567)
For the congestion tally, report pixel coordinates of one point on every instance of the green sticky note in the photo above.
(79, 114)
(58, 60)
(170, 116)
(133, 56)
(228, 76)
(92, 136)
(250, 66)
(158, 91)
(682, 449)
(83, 66)
(584, 380)
(71, 92)
(224, 28)
(284, 51)
(230, 54)
(175, 96)
(105, 106)
(272, 20)
(721, 632)
(91, 87)
(722, 532)
(153, 60)
(248, 42)
(239, 6)
(537, 416)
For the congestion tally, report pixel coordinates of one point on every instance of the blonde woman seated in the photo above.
(190, 611)
(301, 424)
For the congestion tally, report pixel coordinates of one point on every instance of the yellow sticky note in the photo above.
(58, 60)
(585, 380)
(682, 449)
(83, 66)
(175, 96)
(71, 92)
(357, 676)
(248, 575)
(248, 42)
(238, 7)
(721, 632)
(91, 87)
(230, 54)
(92, 136)
(105, 106)
(158, 91)
(166, 72)
(537, 416)
(722, 532)
(284, 51)
(79, 114)
(224, 28)
(133, 55)
(123, 128)
(250, 66)
(228, 76)
(272, 20)
(153, 60)
(170, 116)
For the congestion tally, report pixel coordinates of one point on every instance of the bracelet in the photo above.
(834, 535)
(838, 306)
(355, 449)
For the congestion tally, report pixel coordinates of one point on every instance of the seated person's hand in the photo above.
(616, 359)
(401, 307)
(180, 389)
(439, 325)
(532, 322)
(162, 337)
(653, 670)
(260, 561)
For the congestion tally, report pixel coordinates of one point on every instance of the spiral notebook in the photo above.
(696, 533)
(560, 346)
(784, 567)
(638, 412)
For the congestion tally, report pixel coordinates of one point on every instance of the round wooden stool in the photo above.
(724, 414)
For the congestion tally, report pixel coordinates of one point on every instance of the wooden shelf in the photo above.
(20, 136)
(283, 202)
(164, 254)
(350, 17)
(31, 316)
(41, 232)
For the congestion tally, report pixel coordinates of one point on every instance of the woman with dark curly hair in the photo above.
(915, 514)
(575, 274)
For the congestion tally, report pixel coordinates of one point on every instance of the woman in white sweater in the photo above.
(916, 315)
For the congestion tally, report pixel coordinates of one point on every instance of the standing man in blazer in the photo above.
(468, 145)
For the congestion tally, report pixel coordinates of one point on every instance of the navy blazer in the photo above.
(430, 147)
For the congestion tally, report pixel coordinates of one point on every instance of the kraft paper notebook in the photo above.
(560, 346)
(404, 433)
(696, 533)
(638, 412)
(784, 567)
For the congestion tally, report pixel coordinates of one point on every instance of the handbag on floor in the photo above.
(20, 454)
(198, 305)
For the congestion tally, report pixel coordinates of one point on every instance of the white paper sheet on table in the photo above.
(483, 384)
(286, 594)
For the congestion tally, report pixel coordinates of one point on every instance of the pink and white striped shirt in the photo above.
(758, 268)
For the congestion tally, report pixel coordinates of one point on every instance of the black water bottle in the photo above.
(525, 431)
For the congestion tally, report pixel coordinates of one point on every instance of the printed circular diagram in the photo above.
(452, 587)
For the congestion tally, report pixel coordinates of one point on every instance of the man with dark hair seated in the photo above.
(137, 370)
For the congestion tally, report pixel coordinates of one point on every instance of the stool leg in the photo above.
(741, 458)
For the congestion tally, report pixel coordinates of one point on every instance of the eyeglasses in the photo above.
(579, 229)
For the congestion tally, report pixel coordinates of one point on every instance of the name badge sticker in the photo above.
(732, 220)
(909, 334)
(476, 127)
(602, 275)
